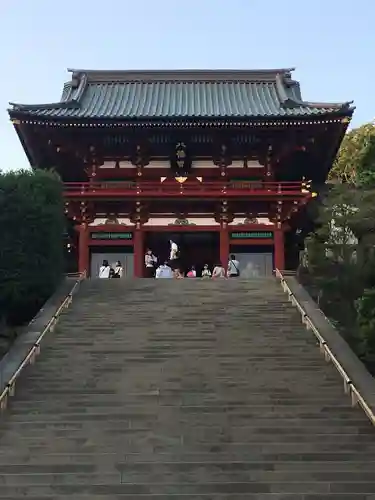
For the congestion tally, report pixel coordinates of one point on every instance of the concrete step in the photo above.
(164, 475)
(215, 411)
(208, 496)
(203, 496)
(183, 489)
(282, 461)
(201, 436)
(179, 449)
(181, 399)
(312, 425)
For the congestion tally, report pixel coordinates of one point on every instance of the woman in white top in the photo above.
(104, 270)
(219, 271)
(173, 250)
(150, 263)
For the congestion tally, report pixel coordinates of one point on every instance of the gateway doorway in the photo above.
(112, 255)
(195, 248)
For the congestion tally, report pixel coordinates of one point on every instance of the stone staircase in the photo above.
(183, 389)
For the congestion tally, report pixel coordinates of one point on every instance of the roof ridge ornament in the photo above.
(180, 75)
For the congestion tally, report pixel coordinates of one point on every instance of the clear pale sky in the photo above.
(330, 42)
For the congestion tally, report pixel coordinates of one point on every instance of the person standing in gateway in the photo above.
(105, 270)
(173, 254)
(150, 263)
(233, 267)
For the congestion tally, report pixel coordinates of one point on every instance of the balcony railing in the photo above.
(157, 189)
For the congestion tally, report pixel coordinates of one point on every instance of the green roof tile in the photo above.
(180, 94)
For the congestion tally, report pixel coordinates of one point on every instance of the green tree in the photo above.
(366, 321)
(355, 162)
(31, 249)
(340, 268)
(339, 256)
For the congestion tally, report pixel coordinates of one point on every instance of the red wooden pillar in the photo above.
(224, 244)
(138, 252)
(279, 253)
(83, 249)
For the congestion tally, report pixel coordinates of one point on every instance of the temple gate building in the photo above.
(218, 161)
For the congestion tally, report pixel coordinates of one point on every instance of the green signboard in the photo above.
(111, 236)
(252, 235)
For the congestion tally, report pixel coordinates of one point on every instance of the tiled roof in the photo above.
(180, 94)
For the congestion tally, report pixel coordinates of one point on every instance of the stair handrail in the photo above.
(34, 351)
(349, 386)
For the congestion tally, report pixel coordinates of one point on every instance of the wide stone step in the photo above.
(218, 413)
(181, 399)
(169, 445)
(89, 461)
(202, 496)
(186, 437)
(244, 433)
(165, 476)
(85, 463)
(182, 406)
(183, 489)
(91, 386)
(319, 425)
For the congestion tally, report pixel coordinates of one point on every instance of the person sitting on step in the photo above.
(192, 273)
(206, 273)
(178, 274)
(164, 271)
(219, 271)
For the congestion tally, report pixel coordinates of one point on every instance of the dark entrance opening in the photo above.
(195, 248)
(254, 260)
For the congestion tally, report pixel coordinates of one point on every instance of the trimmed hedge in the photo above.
(31, 242)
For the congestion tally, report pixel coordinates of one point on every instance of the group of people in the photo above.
(166, 271)
(171, 269)
(115, 271)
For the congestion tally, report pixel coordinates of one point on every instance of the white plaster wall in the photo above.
(99, 221)
(261, 220)
(165, 221)
(112, 164)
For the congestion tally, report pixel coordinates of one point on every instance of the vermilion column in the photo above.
(83, 249)
(138, 252)
(224, 244)
(279, 253)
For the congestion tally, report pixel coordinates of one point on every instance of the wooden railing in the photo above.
(173, 188)
(349, 386)
(9, 389)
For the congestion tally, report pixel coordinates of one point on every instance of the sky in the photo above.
(330, 43)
